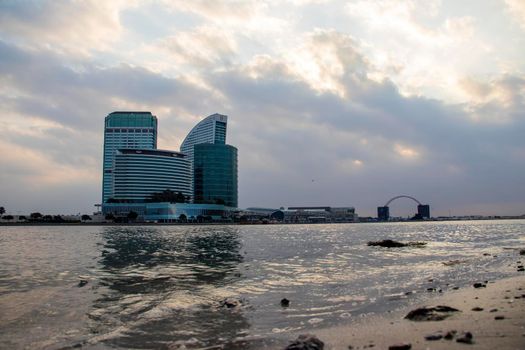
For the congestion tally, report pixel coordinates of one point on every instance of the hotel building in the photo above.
(139, 173)
(125, 130)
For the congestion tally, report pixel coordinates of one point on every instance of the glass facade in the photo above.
(215, 174)
(140, 173)
(211, 129)
(130, 130)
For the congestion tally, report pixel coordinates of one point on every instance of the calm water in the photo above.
(162, 287)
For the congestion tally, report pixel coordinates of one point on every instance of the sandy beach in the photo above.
(494, 315)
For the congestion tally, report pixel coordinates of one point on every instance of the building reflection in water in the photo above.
(163, 286)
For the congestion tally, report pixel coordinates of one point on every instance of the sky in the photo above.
(334, 103)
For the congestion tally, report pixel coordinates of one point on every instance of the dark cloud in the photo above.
(298, 145)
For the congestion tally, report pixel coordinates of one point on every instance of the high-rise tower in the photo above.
(211, 129)
(125, 130)
(215, 174)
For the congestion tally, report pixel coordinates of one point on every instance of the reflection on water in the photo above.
(162, 286)
(167, 285)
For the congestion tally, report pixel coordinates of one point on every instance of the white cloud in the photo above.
(201, 47)
(78, 27)
(517, 10)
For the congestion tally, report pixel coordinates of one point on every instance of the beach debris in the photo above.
(230, 303)
(388, 243)
(493, 310)
(306, 342)
(455, 288)
(477, 308)
(82, 282)
(285, 302)
(432, 337)
(499, 317)
(436, 313)
(454, 262)
(479, 285)
(465, 338)
(406, 346)
(522, 251)
(450, 335)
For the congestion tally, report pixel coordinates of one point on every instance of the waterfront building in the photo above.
(139, 173)
(319, 214)
(129, 130)
(215, 174)
(164, 212)
(211, 129)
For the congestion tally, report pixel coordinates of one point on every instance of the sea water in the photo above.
(165, 286)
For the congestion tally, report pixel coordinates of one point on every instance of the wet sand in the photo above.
(501, 329)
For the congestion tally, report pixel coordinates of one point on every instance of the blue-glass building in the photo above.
(139, 173)
(129, 130)
(215, 174)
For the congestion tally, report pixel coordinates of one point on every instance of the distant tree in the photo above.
(133, 215)
(2, 210)
(183, 218)
(47, 218)
(85, 217)
(22, 218)
(57, 218)
(8, 217)
(35, 216)
(167, 196)
(110, 217)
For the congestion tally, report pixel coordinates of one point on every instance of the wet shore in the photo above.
(488, 317)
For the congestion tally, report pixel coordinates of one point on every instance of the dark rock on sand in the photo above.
(306, 342)
(285, 302)
(437, 313)
(522, 252)
(82, 283)
(493, 310)
(431, 337)
(388, 243)
(499, 317)
(230, 303)
(477, 308)
(479, 285)
(450, 335)
(465, 338)
(400, 347)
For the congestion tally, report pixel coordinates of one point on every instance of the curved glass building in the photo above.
(211, 129)
(138, 173)
(215, 174)
(125, 130)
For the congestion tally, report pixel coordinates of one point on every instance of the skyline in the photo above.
(331, 102)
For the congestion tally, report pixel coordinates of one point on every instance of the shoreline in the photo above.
(501, 329)
(6, 224)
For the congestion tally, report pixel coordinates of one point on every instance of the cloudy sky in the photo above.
(329, 102)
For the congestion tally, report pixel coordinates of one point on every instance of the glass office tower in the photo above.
(211, 129)
(125, 130)
(215, 174)
(138, 173)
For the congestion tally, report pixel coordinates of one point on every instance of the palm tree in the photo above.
(2, 210)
